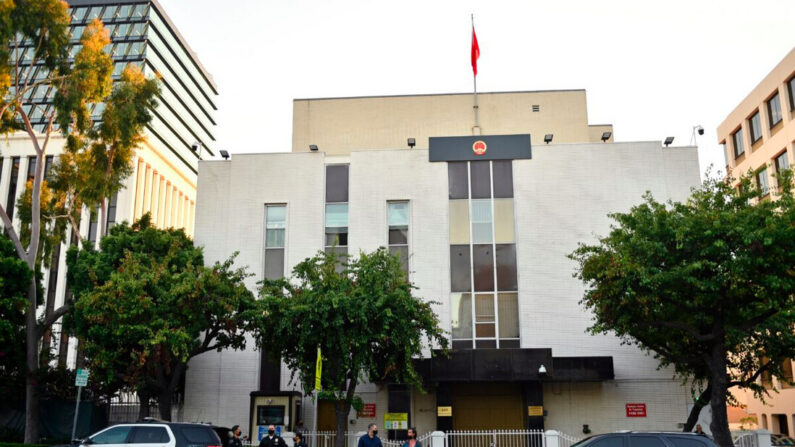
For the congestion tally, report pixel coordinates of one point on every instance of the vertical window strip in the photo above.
(471, 256)
(275, 240)
(398, 219)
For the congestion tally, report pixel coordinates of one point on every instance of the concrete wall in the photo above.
(344, 125)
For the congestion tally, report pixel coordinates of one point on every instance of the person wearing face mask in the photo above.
(271, 440)
(298, 440)
(412, 442)
(370, 439)
(235, 441)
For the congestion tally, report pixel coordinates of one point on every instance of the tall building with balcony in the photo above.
(759, 138)
(181, 133)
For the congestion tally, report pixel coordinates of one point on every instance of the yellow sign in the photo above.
(396, 421)
(535, 410)
(318, 370)
(444, 411)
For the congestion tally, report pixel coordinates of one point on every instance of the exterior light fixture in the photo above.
(668, 141)
(547, 138)
(412, 142)
(313, 147)
(606, 136)
(224, 154)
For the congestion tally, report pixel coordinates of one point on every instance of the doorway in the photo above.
(487, 406)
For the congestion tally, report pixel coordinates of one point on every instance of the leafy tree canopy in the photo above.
(706, 285)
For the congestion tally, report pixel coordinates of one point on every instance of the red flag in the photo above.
(475, 51)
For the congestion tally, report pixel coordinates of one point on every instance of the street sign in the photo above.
(535, 410)
(636, 410)
(368, 411)
(81, 378)
(444, 411)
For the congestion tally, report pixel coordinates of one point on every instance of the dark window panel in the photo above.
(756, 127)
(774, 110)
(459, 345)
(483, 258)
(337, 236)
(508, 311)
(460, 269)
(506, 267)
(458, 180)
(342, 252)
(92, 225)
(336, 183)
(48, 165)
(274, 263)
(485, 330)
(31, 167)
(486, 344)
(461, 316)
(791, 91)
(481, 179)
(737, 139)
(510, 344)
(12, 188)
(111, 211)
(503, 178)
(398, 236)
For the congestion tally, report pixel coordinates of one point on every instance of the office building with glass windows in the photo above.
(181, 133)
(483, 218)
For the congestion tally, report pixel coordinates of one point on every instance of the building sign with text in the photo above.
(636, 410)
(479, 147)
(368, 411)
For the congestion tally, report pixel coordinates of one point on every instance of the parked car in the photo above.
(646, 439)
(155, 434)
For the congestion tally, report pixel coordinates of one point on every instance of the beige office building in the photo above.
(759, 137)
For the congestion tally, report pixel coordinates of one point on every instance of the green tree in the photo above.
(705, 285)
(145, 304)
(82, 174)
(14, 278)
(363, 316)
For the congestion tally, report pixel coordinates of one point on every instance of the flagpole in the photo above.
(475, 82)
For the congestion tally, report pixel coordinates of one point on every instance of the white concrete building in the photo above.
(529, 208)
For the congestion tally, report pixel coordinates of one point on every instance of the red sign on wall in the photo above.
(367, 412)
(636, 410)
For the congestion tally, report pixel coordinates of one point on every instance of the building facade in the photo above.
(181, 133)
(759, 138)
(483, 224)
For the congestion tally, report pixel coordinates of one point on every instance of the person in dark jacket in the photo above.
(298, 440)
(271, 440)
(370, 439)
(412, 442)
(235, 441)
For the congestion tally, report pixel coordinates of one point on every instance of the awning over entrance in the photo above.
(512, 365)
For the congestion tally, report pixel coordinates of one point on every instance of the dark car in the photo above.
(646, 439)
(155, 434)
(224, 433)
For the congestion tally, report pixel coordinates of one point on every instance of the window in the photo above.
(31, 168)
(93, 218)
(737, 139)
(275, 227)
(786, 380)
(755, 123)
(111, 220)
(94, 13)
(78, 14)
(12, 188)
(337, 209)
(110, 12)
(762, 181)
(791, 90)
(115, 435)
(124, 11)
(608, 441)
(200, 435)
(270, 414)
(782, 162)
(774, 110)
(48, 165)
(149, 435)
(121, 31)
(485, 263)
(645, 441)
(398, 222)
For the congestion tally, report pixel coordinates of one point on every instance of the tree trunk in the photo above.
(342, 408)
(103, 219)
(52, 284)
(32, 362)
(164, 404)
(143, 406)
(717, 402)
(700, 403)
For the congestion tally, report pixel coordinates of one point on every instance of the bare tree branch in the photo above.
(12, 234)
(52, 318)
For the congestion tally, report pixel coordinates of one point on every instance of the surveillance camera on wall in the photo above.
(542, 370)
(700, 130)
(195, 147)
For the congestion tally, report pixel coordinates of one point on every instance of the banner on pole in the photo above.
(318, 370)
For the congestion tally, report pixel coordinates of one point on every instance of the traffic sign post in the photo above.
(81, 380)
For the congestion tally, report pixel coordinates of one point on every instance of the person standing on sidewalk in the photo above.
(272, 440)
(412, 442)
(235, 440)
(370, 439)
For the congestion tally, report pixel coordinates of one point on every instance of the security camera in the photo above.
(195, 147)
(542, 370)
(700, 130)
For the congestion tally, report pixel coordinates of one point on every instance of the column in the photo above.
(154, 198)
(161, 201)
(139, 190)
(192, 218)
(147, 191)
(180, 203)
(167, 214)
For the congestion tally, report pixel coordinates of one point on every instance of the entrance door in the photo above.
(326, 418)
(487, 406)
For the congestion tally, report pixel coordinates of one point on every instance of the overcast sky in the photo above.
(651, 68)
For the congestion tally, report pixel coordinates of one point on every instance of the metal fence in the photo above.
(745, 439)
(496, 438)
